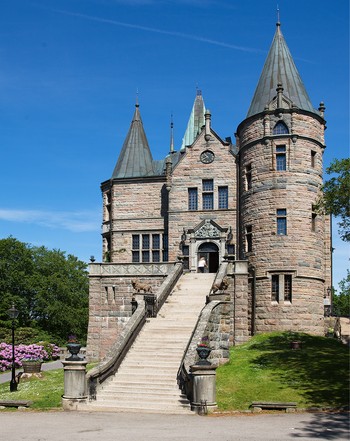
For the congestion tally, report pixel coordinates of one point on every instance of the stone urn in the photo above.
(74, 349)
(203, 352)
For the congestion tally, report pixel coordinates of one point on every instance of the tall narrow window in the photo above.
(192, 199)
(280, 129)
(208, 195)
(135, 248)
(281, 163)
(313, 159)
(313, 219)
(249, 238)
(223, 198)
(145, 241)
(282, 221)
(248, 177)
(275, 286)
(165, 248)
(288, 288)
(155, 247)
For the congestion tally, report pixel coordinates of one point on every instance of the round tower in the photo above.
(281, 144)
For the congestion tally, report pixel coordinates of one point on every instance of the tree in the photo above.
(341, 302)
(49, 289)
(336, 193)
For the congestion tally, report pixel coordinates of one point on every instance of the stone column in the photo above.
(204, 388)
(241, 306)
(75, 389)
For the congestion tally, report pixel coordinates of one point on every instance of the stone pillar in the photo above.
(204, 388)
(241, 306)
(75, 389)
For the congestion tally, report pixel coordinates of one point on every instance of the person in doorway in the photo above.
(202, 264)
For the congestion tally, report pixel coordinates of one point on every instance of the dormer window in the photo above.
(280, 129)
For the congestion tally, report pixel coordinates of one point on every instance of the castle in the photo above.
(248, 204)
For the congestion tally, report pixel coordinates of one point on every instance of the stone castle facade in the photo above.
(249, 203)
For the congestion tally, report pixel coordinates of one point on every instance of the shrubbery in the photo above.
(43, 351)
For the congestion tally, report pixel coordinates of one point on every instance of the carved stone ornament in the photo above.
(208, 230)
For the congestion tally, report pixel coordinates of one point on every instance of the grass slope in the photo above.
(267, 369)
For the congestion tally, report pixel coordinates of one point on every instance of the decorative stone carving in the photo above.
(208, 230)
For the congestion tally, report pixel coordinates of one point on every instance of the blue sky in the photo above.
(70, 71)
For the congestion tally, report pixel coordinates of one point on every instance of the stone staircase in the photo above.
(146, 380)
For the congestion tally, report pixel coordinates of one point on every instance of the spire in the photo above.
(279, 71)
(135, 159)
(171, 135)
(196, 121)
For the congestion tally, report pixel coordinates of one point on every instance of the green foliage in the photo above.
(336, 193)
(25, 336)
(341, 301)
(267, 369)
(49, 289)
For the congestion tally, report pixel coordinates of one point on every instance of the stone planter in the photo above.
(74, 349)
(203, 353)
(31, 367)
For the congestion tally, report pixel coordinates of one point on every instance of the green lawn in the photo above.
(45, 392)
(266, 369)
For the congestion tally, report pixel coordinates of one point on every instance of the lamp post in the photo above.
(13, 314)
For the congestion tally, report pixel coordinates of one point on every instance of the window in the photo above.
(151, 248)
(135, 256)
(208, 202)
(285, 293)
(208, 195)
(192, 199)
(248, 177)
(280, 129)
(281, 163)
(249, 238)
(313, 159)
(288, 288)
(135, 242)
(208, 185)
(155, 256)
(282, 221)
(223, 198)
(156, 241)
(275, 288)
(145, 241)
(313, 219)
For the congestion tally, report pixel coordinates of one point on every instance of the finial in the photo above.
(171, 134)
(137, 97)
(278, 16)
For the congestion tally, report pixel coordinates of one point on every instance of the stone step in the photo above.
(176, 409)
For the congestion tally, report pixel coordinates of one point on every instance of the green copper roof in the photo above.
(279, 68)
(196, 121)
(135, 159)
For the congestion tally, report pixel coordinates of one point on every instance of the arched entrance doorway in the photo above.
(210, 252)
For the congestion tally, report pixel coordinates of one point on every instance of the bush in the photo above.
(45, 352)
(24, 336)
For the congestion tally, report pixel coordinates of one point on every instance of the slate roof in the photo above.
(135, 159)
(279, 68)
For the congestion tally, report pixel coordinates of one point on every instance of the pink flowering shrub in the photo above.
(28, 352)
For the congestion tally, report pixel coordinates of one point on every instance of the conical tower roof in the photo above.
(196, 121)
(279, 68)
(135, 159)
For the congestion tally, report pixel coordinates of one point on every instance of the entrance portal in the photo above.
(210, 252)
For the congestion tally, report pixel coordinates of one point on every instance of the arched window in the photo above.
(280, 129)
